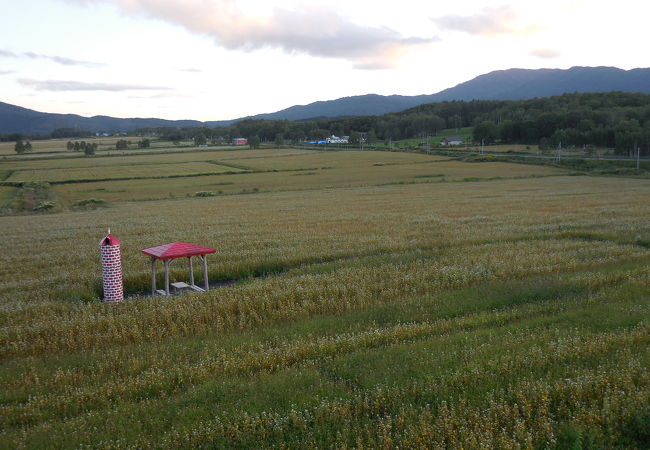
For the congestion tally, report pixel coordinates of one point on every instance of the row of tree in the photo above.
(22, 146)
(89, 148)
(123, 144)
(625, 136)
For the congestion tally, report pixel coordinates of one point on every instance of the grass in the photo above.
(510, 311)
(6, 195)
(117, 172)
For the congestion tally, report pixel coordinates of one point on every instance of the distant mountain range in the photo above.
(14, 119)
(511, 84)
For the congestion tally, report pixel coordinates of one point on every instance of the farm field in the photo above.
(46, 146)
(149, 177)
(333, 159)
(56, 147)
(74, 160)
(146, 189)
(373, 305)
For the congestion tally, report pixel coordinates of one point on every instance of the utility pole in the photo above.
(481, 146)
(559, 152)
(638, 154)
(362, 138)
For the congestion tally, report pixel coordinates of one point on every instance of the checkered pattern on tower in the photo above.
(111, 269)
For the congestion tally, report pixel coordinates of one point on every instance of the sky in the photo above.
(224, 59)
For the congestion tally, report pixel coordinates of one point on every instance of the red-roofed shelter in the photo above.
(167, 253)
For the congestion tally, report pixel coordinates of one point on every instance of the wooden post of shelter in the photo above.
(166, 264)
(205, 271)
(153, 276)
(167, 253)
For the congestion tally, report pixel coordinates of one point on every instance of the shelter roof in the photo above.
(177, 250)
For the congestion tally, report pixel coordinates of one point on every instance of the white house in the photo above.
(337, 140)
(452, 140)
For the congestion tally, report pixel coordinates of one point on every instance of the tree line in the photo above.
(89, 148)
(616, 120)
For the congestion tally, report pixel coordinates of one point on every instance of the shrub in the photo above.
(44, 206)
(205, 194)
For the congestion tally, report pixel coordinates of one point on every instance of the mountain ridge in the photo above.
(509, 84)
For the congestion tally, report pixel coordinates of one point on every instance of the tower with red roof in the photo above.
(111, 268)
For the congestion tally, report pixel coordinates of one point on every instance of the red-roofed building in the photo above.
(168, 252)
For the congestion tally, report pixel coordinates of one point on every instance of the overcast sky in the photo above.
(223, 59)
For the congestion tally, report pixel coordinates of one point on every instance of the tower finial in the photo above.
(109, 230)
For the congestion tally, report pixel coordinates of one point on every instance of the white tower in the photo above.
(111, 268)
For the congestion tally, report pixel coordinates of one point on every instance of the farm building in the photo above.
(337, 140)
(239, 141)
(452, 140)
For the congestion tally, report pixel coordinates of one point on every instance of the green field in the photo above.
(380, 300)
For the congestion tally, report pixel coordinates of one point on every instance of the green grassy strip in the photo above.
(153, 177)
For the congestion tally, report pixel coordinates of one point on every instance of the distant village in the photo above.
(333, 139)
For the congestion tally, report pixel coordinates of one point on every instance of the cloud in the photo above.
(61, 85)
(57, 59)
(6, 72)
(488, 22)
(545, 53)
(164, 95)
(313, 30)
(191, 70)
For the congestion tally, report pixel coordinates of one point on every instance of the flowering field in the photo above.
(507, 312)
